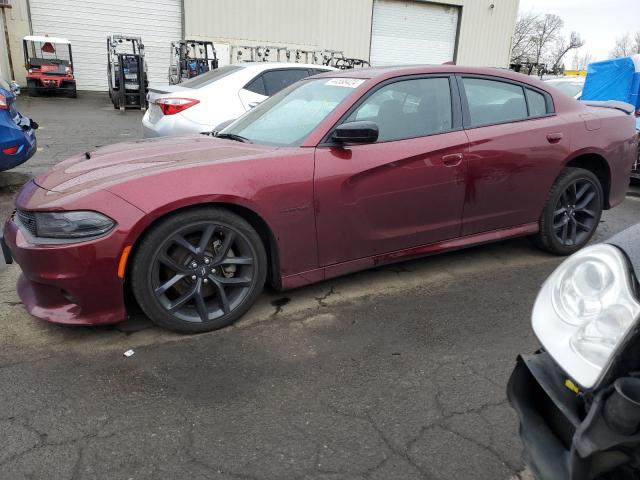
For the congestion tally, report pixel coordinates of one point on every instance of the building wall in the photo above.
(329, 24)
(485, 32)
(4, 60)
(18, 26)
(484, 37)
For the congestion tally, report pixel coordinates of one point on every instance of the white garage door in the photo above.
(409, 32)
(88, 23)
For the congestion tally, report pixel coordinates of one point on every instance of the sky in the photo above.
(599, 22)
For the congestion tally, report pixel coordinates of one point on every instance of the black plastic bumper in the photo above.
(549, 415)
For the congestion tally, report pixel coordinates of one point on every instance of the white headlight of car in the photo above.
(585, 310)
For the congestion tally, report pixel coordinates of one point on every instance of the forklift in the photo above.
(49, 65)
(190, 58)
(127, 72)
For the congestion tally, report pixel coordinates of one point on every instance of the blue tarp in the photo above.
(617, 79)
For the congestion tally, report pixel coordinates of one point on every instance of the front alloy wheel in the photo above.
(199, 271)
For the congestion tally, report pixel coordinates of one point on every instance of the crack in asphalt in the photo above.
(322, 299)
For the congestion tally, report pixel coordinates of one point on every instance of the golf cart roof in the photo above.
(43, 39)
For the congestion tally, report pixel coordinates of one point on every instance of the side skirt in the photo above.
(344, 268)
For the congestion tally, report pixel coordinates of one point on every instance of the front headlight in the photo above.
(585, 310)
(70, 225)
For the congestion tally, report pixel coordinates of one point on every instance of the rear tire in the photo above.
(199, 270)
(572, 212)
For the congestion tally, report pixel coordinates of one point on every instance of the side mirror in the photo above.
(356, 132)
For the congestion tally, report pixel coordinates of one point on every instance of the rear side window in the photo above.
(537, 103)
(256, 85)
(493, 101)
(276, 80)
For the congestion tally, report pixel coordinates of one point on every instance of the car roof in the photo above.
(41, 38)
(382, 73)
(271, 65)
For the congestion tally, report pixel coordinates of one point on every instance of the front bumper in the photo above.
(72, 283)
(562, 437)
(66, 284)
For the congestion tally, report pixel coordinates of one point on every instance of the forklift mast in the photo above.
(190, 58)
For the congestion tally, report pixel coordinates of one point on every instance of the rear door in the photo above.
(405, 190)
(517, 145)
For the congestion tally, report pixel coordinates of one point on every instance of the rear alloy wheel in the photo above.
(572, 213)
(199, 270)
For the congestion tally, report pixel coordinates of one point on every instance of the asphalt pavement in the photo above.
(394, 373)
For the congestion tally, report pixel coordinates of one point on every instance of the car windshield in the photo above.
(210, 77)
(570, 88)
(288, 117)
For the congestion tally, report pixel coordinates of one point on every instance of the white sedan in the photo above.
(221, 95)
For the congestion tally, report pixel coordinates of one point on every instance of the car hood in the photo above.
(113, 164)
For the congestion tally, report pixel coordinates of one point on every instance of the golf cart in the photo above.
(126, 72)
(49, 66)
(190, 58)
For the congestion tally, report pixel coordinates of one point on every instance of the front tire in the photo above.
(199, 270)
(572, 212)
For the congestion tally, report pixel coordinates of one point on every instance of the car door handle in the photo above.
(452, 160)
(253, 104)
(555, 137)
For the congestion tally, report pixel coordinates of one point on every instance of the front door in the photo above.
(405, 190)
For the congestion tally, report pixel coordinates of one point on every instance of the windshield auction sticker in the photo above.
(345, 82)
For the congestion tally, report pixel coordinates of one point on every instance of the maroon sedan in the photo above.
(337, 173)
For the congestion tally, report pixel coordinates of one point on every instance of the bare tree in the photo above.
(580, 62)
(547, 29)
(561, 47)
(625, 45)
(521, 45)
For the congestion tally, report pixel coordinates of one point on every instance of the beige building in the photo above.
(384, 32)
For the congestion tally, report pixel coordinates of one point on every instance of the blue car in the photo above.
(17, 132)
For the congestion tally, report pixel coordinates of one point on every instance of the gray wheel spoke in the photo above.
(172, 264)
(586, 201)
(582, 191)
(573, 231)
(583, 226)
(565, 232)
(222, 295)
(237, 261)
(560, 211)
(168, 284)
(180, 302)
(201, 305)
(234, 281)
(587, 212)
(205, 239)
(180, 240)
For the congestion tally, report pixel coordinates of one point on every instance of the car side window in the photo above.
(408, 109)
(493, 101)
(276, 80)
(537, 103)
(256, 85)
